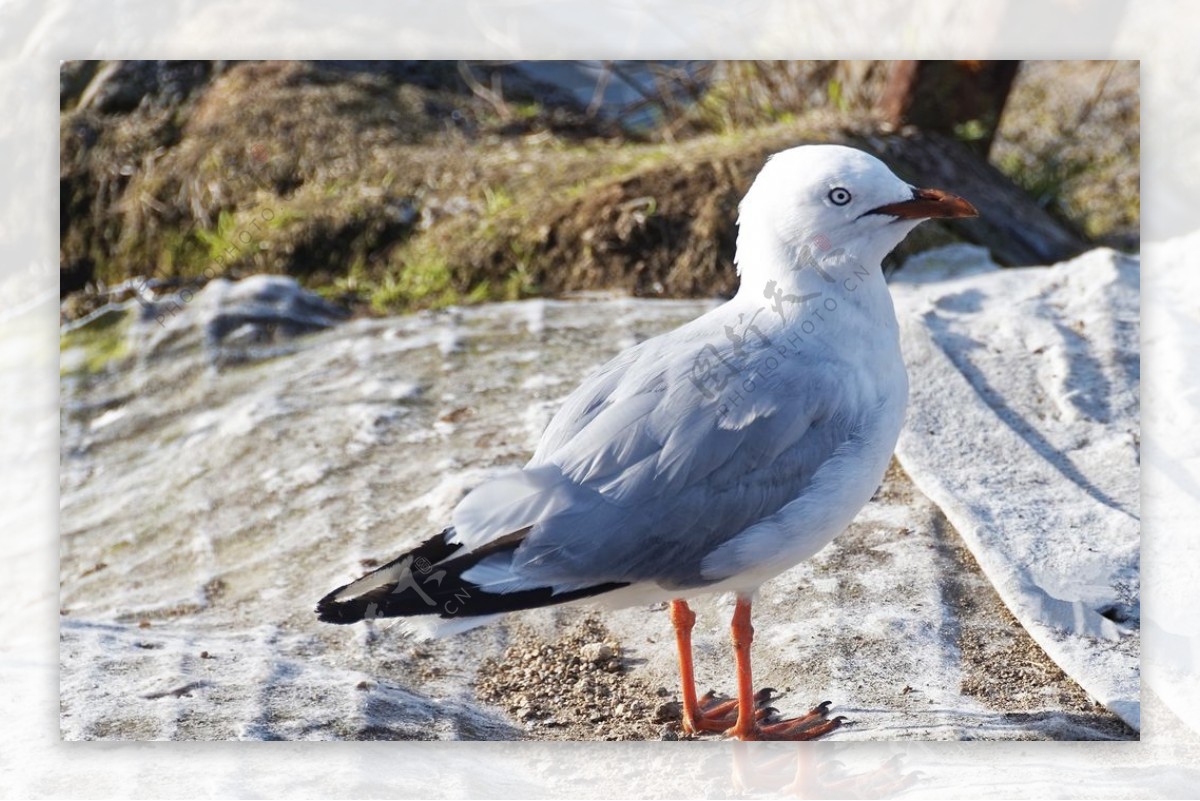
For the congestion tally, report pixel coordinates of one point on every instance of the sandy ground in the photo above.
(213, 490)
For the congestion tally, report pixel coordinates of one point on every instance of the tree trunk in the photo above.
(1010, 224)
(963, 99)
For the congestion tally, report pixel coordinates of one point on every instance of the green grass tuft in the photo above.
(104, 341)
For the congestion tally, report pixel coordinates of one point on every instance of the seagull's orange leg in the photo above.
(703, 714)
(695, 719)
(743, 634)
(749, 724)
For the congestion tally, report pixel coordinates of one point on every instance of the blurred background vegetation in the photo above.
(392, 186)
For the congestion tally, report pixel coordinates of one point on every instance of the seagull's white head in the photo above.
(829, 198)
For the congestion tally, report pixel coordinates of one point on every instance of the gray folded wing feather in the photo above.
(641, 475)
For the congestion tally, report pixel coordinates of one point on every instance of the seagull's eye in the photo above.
(839, 196)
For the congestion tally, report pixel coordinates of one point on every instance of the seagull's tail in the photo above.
(381, 593)
(435, 579)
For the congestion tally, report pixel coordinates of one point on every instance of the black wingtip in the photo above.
(437, 587)
(381, 601)
(329, 610)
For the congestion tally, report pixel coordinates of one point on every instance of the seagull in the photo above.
(707, 459)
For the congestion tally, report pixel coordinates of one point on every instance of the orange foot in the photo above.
(748, 717)
(816, 723)
(715, 714)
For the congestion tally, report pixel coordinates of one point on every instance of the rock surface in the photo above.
(207, 503)
(1024, 428)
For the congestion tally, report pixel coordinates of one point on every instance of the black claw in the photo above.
(824, 706)
(765, 694)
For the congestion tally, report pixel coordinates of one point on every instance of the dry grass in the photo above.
(396, 194)
(1070, 137)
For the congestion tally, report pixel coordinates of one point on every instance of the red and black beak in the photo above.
(927, 204)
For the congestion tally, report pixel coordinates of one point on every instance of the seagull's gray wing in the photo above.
(595, 394)
(643, 473)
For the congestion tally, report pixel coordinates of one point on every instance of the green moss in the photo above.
(526, 111)
(422, 279)
(972, 130)
(837, 98)
(497, 200)
(480, 293)
(103, 341)
(223, 238)
(182, 253)
(519, 284)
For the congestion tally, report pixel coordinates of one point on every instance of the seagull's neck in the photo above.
(815, 266)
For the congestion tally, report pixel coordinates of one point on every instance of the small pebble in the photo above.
(596, 652)
(670, 711)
